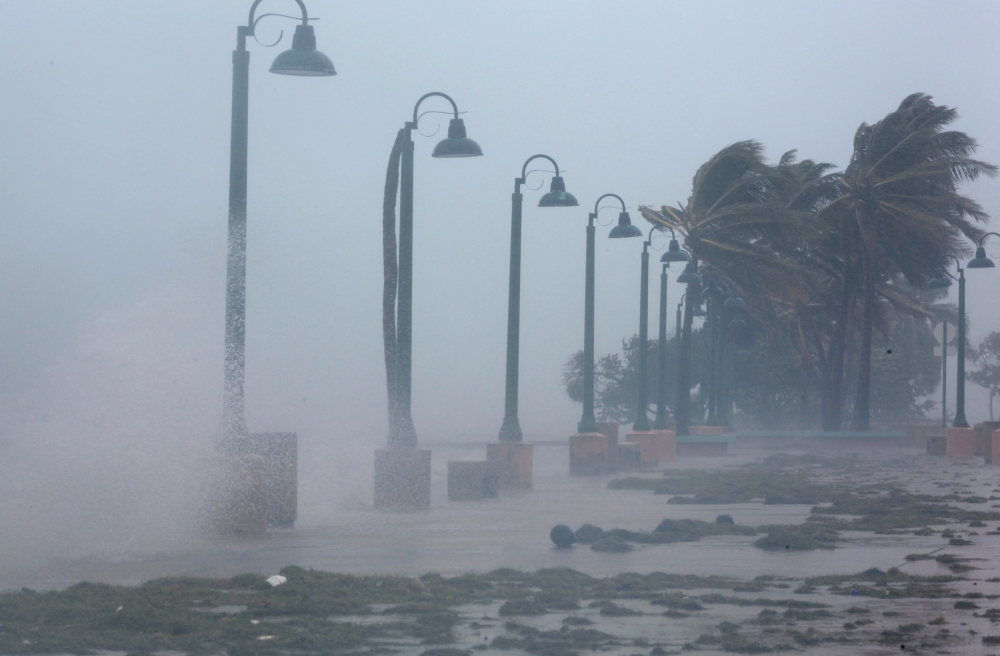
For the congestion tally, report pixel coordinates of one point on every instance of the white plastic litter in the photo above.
(276, 580)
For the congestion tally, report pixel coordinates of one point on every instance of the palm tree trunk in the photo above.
(861, 420)
(833, 384)
(390, 273)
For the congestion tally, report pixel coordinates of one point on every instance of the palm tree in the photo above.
(898, 213)
(733, 220)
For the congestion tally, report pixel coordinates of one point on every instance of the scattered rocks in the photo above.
(589, 534)
(611, 544)
(725, 519)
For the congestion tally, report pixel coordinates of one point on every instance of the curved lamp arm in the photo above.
(416, 108)
(958, 265)
(983, 238)
(253, 9)
(598, 202)
(524, 169)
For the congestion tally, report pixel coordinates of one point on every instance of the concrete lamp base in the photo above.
(514, 460)
(238, 505)
(590, 453)
(960, 443)
(654, 446)
(994, 448)
(402, 478)
(629, 457)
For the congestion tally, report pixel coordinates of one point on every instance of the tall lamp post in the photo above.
(682, 408)
(673, 254)
(510, 430)
(943, 282)
(303, 59)
(734, 304)
(403, 472)
(588, 422)
(457, 144)
(713, 293)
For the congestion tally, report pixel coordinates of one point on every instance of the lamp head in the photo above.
(939, 281)
(713, 290)
(675, 254)
(980, 261)
(734, 301)
(699, 309)
(303, 58)
(457, 144)
(689, 275)
(558, 196)
(624, 228)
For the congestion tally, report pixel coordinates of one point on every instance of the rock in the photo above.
(611, 545)
(588, 534)
(563, 536)
(724, 519)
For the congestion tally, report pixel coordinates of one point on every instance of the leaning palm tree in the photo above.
(733, 220)
(899, 213)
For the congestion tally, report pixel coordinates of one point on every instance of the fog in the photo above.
(114, 150)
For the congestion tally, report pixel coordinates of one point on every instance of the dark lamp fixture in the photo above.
(457, 144)
(980, 261)
(699, 309)
(734, 301)
(939, 281)
(675, 254)
(737, 325)
(303, 58)
(558, 196)
(624, 228)
(713, 290)
(689, 276)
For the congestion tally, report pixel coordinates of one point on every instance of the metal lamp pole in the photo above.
(673, 254)
(510, 430)
(401, 430)
(303, 59)
(712, 294)
(682, 409)
(588, 422)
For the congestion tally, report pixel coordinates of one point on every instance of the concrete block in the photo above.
(936, 445)
(591, 453)
(668, 445)
(238, 506)
(611, 430)
(629, 457)
(471, 480)
(402, 477)
(654, 446)
(515, 462)
(995, 448)
(989, 427)
(280, 452)
(960, 443)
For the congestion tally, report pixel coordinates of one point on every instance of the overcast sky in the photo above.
(114, 154)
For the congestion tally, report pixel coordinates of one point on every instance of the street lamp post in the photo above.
(736, 326)
(457, 144)
(673, 254)
(402, 472)
(942, 282)
(588, 422)
(682, 409)
(510, 430)
(712, 294)
(303, 59)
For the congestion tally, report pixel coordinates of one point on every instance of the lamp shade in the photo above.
(558, 196)
(303, 58)
(689, 276)
(624, 228)
(980, 261)
(939, 281)
(713, 290)
(734, 302)
(457, 144)
(675, 254)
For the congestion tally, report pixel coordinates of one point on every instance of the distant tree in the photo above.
(986, 357)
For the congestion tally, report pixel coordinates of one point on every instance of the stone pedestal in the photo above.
(402, 477)
(280, 452)
(654, 446)
(472, 480)
(668, 445)
(994, 449)
(514, 460)
(960, 443)
(591, 453)
(611, 430)
(238, 506)
(986, 430)
(629, 457)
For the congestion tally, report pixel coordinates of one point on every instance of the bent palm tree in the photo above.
(899, 213)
